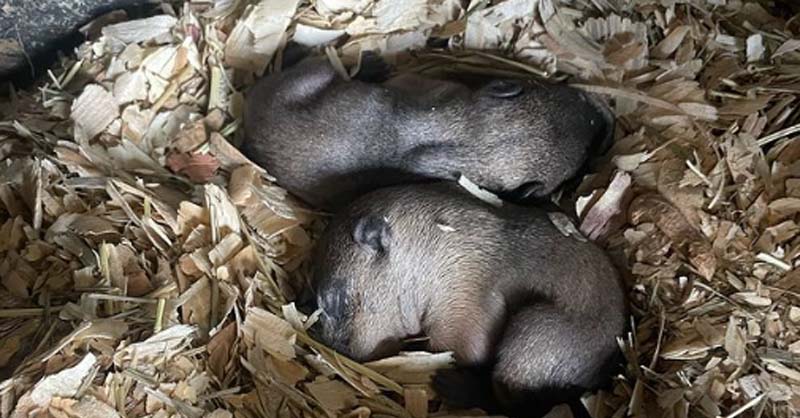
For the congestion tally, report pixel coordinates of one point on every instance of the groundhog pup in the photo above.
(499, 286)
(328, 140)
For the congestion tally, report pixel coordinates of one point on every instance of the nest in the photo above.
(148, 268)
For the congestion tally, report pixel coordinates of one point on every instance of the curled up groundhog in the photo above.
(501, 287)
(328, 140)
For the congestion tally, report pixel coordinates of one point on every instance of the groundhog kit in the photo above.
(531, 313)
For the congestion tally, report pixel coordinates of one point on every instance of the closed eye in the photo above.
(504, 89)
(524, 193)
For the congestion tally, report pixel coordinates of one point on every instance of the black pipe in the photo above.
(32, 33)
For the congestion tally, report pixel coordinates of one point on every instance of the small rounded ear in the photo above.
(504, 89)
(372, 232)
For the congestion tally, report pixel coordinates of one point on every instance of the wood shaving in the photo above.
(93, 111)
(141, 30)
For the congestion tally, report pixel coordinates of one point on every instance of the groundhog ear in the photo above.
(504, 89)
(372, 232)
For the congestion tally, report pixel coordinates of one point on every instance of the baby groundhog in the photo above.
(498, 286)
(328, 140)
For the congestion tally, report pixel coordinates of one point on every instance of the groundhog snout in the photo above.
(334, 332)
(333, 325)
(331, 297)
(341, 335)
(604, 139)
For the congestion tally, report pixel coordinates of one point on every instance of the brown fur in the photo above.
(328, 140)
(505, 288)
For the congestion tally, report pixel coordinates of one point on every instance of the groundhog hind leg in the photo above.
(546, 358)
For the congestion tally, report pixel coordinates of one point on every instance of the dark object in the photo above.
(31, 31)
(328, 140)
(503, 288)
(471, 387)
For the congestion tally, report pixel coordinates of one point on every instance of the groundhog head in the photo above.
(527, 130)
(357, 286)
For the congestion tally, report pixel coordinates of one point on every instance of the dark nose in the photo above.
(332, 334)
(604, 117)
(307, 301)
(315, 331)
(605, 138)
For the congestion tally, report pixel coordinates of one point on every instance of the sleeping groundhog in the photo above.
(501, 287)
(328, 140)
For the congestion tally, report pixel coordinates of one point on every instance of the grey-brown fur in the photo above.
(498, 286)
(328, 140)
